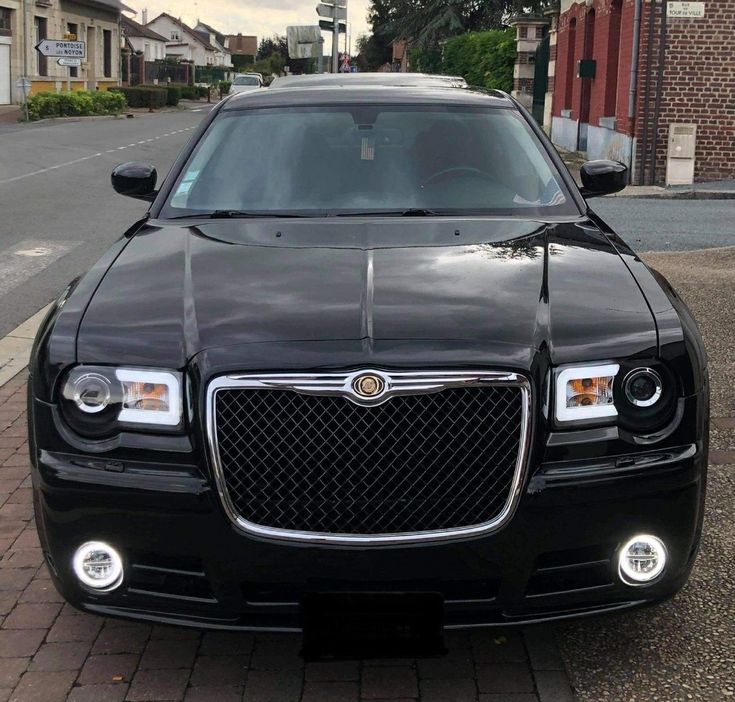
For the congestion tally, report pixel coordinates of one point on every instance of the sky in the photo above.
(263, 18)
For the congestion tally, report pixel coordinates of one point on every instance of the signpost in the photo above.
(24, 85)
(336, 11)
(67, 50)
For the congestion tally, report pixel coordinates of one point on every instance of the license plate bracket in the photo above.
(373, 625)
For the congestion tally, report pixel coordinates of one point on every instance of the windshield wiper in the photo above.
(239, 214)
(411, 212)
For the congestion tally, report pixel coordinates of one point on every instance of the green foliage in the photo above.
(193, 92)
(483, 58)
(173, 92)
(144, 97)
(426, 60)
(77, 103)
(224, 87)
(242, 61)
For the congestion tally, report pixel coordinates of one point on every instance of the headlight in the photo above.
(586, 392)
(98, 401)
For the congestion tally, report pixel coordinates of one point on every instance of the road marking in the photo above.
(27, 258)
(15, 348)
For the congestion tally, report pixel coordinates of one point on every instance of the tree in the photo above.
(273, 45)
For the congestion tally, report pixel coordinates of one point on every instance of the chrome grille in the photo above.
(426, 464)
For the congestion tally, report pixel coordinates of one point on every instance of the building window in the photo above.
(73, 30)
(571, 51)
(40, 26)
(5, 21)
(175, 36)
(523, 32)
(107, 52)
(541, 32)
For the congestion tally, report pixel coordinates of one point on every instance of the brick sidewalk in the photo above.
(50, 652)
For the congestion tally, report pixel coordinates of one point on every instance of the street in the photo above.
(60, 214)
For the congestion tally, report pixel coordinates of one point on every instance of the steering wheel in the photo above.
(457, 170)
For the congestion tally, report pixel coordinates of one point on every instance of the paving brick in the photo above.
(498, 647)
(387, 682)
(221, 693)
(158, 685)
(272, 686)
(169, 654)
(15, 578)
(323, 671)
(32, 616)
(724, 422)
(543, 652)
(448, 690)
(225, 643)
(22, 495)
(508, 698)
(456, 664)
(219, 670)
(330, 692)
(175, 633)
(718, 458)
(16, 643)
(108, 669)
(8, 600)
(122, 639)
(25, 558)
(504, 677)
(60, 656)
(75, 627)
(553, 686)
(41, 590)
(11, 669)
(43, 687)
(23, 513)
(99, 693)
(277, 653)
(28, 539)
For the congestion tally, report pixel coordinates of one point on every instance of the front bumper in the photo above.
(186, 563)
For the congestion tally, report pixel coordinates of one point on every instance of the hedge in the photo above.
(173, 92)
(144, 97)
(484, 59)
(77, 103)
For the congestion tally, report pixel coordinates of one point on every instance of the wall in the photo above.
(196, 52)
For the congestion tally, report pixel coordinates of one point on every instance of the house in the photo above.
(95, 22)
(182, 42)
(647, 83)
(222, 55)
(241, 45)
(139, 38)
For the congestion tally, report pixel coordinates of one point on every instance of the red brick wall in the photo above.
(698, 86)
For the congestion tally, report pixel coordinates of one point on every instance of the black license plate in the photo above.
(373, 625)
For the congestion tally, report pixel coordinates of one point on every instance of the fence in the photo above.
(210, 74)
(136, 70)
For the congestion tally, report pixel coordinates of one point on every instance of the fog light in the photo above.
(643, 387)
(98, 566)
(642, 559)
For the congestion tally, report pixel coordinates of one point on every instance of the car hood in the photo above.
(267, 294)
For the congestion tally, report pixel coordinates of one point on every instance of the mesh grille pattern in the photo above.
(323, 464)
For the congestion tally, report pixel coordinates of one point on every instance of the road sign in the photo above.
(328, 26)
(23, 84)
(331, 11)
(58, 48)
(71, 62)
(354, 69)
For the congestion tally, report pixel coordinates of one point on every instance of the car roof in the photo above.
(350, 79)
(435, 94)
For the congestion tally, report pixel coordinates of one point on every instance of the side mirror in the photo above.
(603, 178)
(135, 179)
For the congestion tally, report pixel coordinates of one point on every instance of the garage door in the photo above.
(4, 74)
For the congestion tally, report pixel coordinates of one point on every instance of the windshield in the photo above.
(369, 160)
(246, 80)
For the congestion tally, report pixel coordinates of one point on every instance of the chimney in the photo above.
(144, 15)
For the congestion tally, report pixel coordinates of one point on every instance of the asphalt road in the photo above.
(669, 225)
(58, 212)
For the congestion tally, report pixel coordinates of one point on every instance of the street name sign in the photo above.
(328, 26)
(71, 62)
(23, 84)
(61, 48)
(685, 9)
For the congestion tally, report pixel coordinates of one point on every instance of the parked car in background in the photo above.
(334, 80)
(246, 83)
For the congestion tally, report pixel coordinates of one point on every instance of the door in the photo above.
(4, 74)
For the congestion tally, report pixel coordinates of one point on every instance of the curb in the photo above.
(15, 348)
(680, 195)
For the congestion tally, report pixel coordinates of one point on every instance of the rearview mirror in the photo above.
(603, 178)
(135, 179)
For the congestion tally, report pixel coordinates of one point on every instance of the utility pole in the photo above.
(336, 11)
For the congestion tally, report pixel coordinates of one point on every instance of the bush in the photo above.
(144, 96)
(77, 103)
(191, 92)
(224, 87)
(173, 92)
(484, 59)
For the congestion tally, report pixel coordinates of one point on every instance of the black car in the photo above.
(369, 345)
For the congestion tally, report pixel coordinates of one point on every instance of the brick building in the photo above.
(630, 75)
